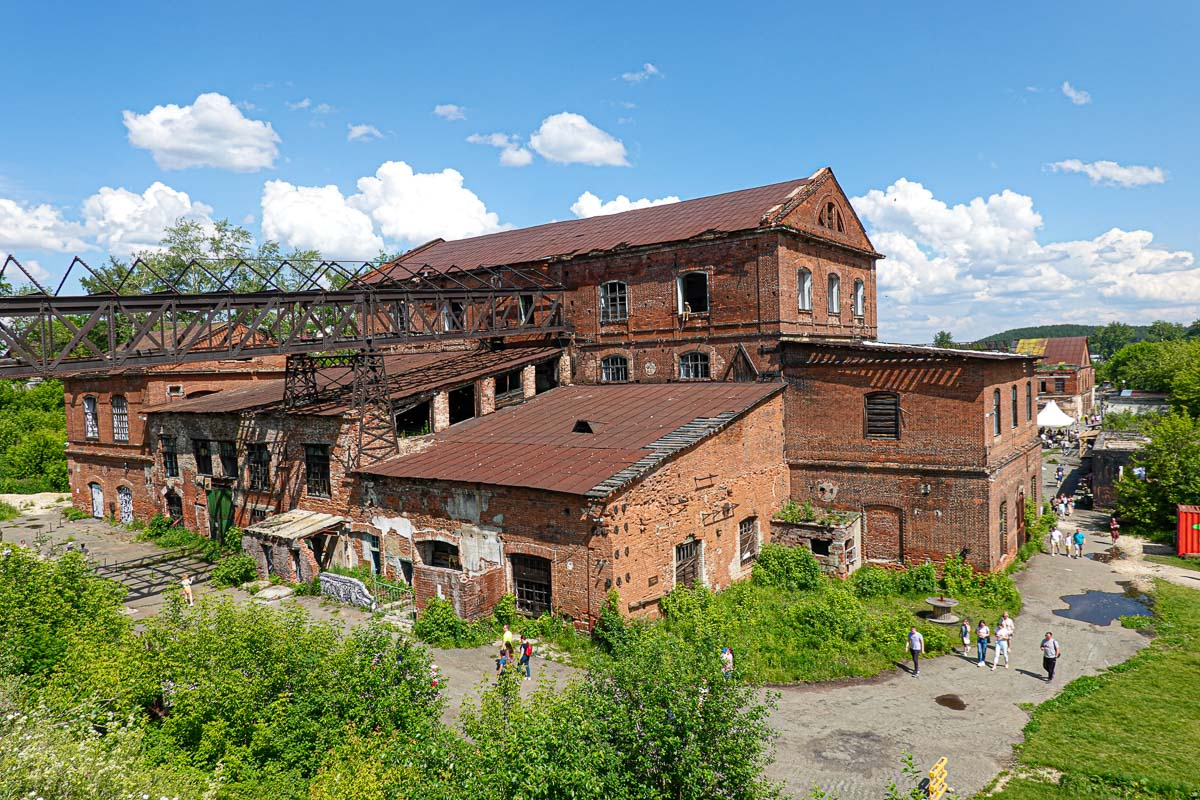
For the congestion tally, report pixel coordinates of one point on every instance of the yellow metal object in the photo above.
(937, 779)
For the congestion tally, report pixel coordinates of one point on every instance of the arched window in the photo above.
(831, 218)
(804, 289)
(691, 293)
(614, 301)
(881, 415)
(859, 298)
(694, 366)
(1029, 401)
(120, 411)
(91, 425)
(1014, 406)
(835, 293)
(996, 413)
(97, 492)
(614, 369)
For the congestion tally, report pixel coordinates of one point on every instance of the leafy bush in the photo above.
(834, 615)
(872, 581)
(796, 512)
(505, 611)
(610, 631)
(793, 568)
(8, 511)
(74, 514)
(234, 570)
(438, 625)
(918, 580)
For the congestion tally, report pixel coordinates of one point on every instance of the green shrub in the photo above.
(8, 511)
(794, 568)
(74, 514)
(438, 625)
(609, 632)
(832, 616)
(872, 581)
(796, 512)
(505, 611)
(918, 580)
(234, 570)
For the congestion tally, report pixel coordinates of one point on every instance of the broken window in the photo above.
(996, 413)
(1029, 400)
(1004, 526)
(202, 450)
(440, 554)
(376, 554)
(859, 299)
(462, 403)
(454, 316)
(415, 421)
(694, 366)
(835, 293)
(229, 463)
(175, 390)
(258, 515)
(687, 563)
(316, 470)
(525, 304)
(614, 301)
(748, 539)
(882, 410)
(545, 376)
(691, 290)
(120, 414)
(258, 465)
(819, 547)
(1060, 385)
(531, 583)
(831, 218)
(91, 425)
(614, 369)
(170, 456)
(509, 385)
(1014, 406)
(175, 508)
(804, 289)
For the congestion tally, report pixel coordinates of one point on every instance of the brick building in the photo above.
(1111, 453)
(1064, 373)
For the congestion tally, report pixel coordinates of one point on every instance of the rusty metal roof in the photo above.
(295, 524)
(633, 429)
(1072, 350)
(732, 211)
(409, 375)
(868, 348)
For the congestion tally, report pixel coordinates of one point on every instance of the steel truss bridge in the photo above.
(208, 310)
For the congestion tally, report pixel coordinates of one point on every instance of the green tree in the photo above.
(1171, 460)
(943, 339)
(1150, 366)
(1111, 338)
(1163, 331)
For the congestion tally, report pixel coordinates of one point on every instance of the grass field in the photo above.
(1175, 561)
(1132, 732)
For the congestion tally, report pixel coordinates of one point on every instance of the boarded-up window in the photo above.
(91, 426)
(687, 563)
(1004, 527)
(882, 410)
(120, 411)
(748, 539)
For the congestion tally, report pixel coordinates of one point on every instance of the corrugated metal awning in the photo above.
(295, 524)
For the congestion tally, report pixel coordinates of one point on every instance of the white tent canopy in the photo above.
(1053, 417)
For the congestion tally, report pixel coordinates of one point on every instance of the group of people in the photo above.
(1064, 505)
(1067, 545)
(509, 660)
(1002, 644)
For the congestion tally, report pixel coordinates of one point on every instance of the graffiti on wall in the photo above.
(347, 590)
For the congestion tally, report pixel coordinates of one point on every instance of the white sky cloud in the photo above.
(976, 268)
(647, 71)
(299, 105)
(1077, 96)
(450, 111)
(122, 222)
(1112, 173)
(317, 218)
(212, 132)
(570, 139)
(512, 152)
(589, 205)
(362, 133)
(415, 207)
(40, 227)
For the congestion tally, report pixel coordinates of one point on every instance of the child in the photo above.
(964, 631)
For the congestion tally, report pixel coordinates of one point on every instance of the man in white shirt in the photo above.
(1055, 540)
(1004, 632)
(916, 646)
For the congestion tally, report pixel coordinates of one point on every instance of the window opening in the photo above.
(441, 554)
(170, 456)
(687, 563)
(453, 316)
(376, 554)
(175, 508)
(1014, 407)
(545, 376)
(462, 403)
(91, 426)
(882, 411)
(258, 464)
(525, 303)
(1042, 387)
(831, 218)
(614, 369)
(120, 414)
(316, 470)
(996, 412)
(748, 539)
(1029, 401)
(1060, 385)
(509, 387)
(125, 504)
(859, 299)
(531, 582)
(692, 291)
(819, 547)
(258, 515)
(202, 450)
(1004, 526)
(229, 462)
(804, 289)
(415, 421)
(835, 293)
(175, 390)
(694, 366)
(614, 301)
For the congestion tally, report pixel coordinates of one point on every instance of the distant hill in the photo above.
(1055, 331)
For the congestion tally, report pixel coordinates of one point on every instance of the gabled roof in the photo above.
(762, 206)
(634, 428)
(1071, 350)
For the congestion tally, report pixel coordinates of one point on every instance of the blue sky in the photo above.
(942, 121)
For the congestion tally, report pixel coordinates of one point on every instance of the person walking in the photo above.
(1070, 502)
(1114, 529)
(1003, 636)
(1058, 474)
(1050, 654)
(526, 654)
(964, 631)
(1055, 540)
(502, 662)
(508, 638)
(727, 662)
(983, 636)
(916, 646)
(1078, 539)
(185, 583)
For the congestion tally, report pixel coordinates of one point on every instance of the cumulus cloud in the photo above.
(570, 139)
(418, 206)
(450, 111)
(124, 222)
(299, 105)
(211, 132)
(362, 133)
(37, 227)
(1077, 96)
(647, 71)
(589, 205)
(317, 218)
(1112, 173)
(512, 152)
(975, 267)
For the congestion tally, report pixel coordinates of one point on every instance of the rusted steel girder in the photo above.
(46, 334)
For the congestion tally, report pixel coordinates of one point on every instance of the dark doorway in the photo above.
(531, 580)
(693, 292)
(687, 563)
(545, 376)
(462, 404)
(414, 421)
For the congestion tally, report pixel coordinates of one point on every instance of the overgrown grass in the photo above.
(162, 532)
(1174, 561)
(1130, 732)
(8, 511)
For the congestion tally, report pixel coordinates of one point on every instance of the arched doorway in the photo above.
(125, 504)
(97, 500)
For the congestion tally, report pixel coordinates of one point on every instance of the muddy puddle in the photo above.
(951, 701)
(1101, 608)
